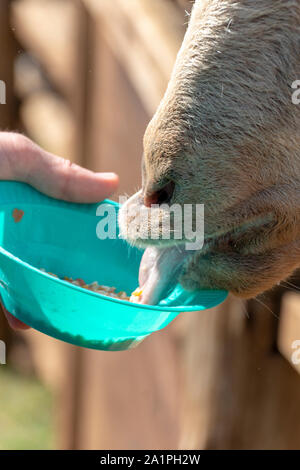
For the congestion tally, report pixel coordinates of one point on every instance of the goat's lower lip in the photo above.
(159, 271)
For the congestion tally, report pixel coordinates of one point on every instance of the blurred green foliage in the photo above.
(26, 418)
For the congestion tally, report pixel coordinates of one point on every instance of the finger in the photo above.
(14, 322)
(21, 159)
(71, 182)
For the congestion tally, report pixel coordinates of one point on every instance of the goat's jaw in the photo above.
(159, 273)
(161, 265)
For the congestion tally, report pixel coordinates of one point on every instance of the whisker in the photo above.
(267, 307)
(291, 284)
(289, 289)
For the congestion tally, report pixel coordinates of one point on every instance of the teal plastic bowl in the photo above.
(40, 232)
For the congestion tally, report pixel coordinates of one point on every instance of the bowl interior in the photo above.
(61, 238)
(40, 232)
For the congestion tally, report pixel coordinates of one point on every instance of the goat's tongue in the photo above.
(159, 271)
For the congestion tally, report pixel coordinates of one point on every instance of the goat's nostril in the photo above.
(162, 196)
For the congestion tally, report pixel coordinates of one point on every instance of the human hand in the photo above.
(22, 160)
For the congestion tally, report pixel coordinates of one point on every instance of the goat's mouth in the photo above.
(159, 272)
(163, 259)
(161, 268)
(162, 263)
(161, 225)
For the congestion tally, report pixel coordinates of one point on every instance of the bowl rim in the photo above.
(106, 298)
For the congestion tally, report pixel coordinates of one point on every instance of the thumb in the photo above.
(22, 160)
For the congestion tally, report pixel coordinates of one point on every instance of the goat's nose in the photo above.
(161, 196)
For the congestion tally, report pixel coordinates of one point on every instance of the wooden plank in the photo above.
(128, 399)
(49, 122)
(289, 329)
(145, 36)
(240, 393)
(116, 119)
(48, 30)
(8, 110)
(131, 399)
(55, 120)
(186, 5)
(7, 55)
